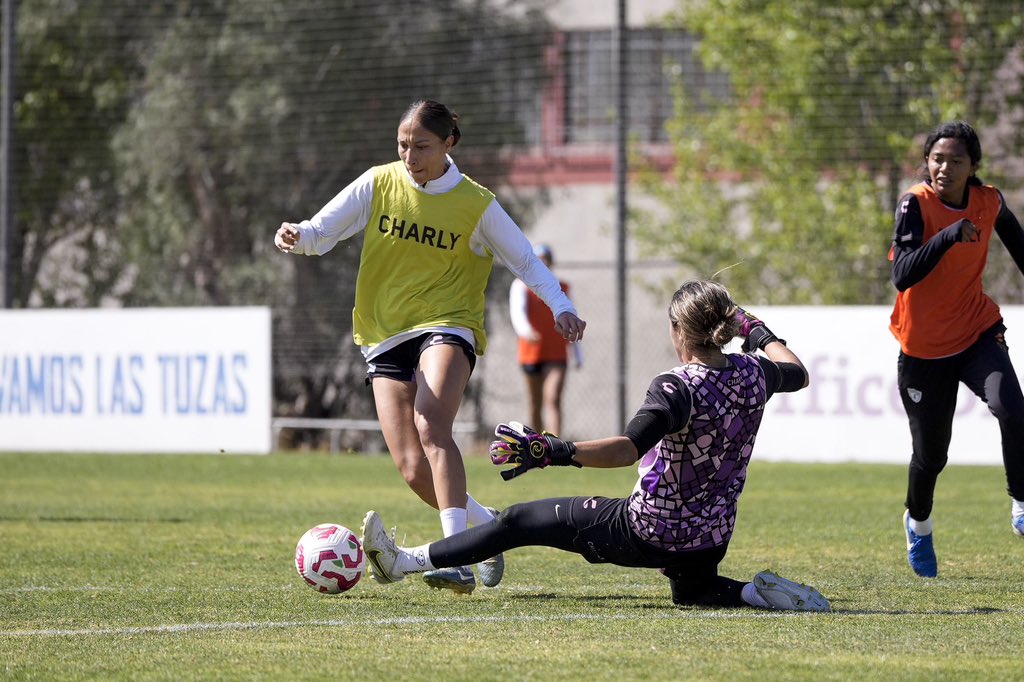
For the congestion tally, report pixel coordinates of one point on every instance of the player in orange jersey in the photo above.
(543, 352)
(949, 330)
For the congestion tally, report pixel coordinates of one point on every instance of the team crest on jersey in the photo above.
(914, 394)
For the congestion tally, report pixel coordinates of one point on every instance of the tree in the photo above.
(253, 112)
(160, 145)
(74, 66)
(795, 175)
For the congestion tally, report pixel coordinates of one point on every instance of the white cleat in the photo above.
(786, 595)
(380, 548)
(492, 570)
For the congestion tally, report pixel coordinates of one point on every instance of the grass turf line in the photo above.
(180, 568)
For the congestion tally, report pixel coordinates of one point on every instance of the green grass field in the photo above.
(180, 567)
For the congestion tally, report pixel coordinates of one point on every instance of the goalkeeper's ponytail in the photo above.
(705, 313)
(725, 331)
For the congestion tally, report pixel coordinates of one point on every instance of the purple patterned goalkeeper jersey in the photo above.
(690, 481)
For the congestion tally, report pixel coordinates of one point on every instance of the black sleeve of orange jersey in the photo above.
(912, 258)
(1009, 230)
(665, 410)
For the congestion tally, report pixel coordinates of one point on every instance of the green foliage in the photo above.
(160, 145)
(199, 154)
(69, 98)
(180, 567)
(796, 174)
(255, 112)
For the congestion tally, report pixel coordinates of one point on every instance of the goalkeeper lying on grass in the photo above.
(693, 437)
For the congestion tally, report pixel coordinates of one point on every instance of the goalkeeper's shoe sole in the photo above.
(492, 570)
(458, 579)
(380, 548)
(786, 595)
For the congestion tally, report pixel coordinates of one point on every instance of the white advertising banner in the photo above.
(852, 410)
(176, 380)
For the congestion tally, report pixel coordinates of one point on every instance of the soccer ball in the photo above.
(330, 558)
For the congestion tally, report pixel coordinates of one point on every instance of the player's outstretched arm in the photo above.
(525, 449)
(607, 453)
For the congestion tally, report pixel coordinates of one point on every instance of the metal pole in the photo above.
(6, 154)
(621, 169)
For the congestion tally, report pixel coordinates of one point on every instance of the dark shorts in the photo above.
(602, 533)
(400, 362)
(539, 367)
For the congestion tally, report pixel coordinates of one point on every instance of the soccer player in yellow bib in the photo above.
(431, 236)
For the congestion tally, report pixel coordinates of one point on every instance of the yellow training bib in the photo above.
(416, 268)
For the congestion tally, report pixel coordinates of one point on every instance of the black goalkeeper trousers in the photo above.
(928, 389)
(597, 529)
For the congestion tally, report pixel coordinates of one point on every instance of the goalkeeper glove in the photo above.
(755, 334)
(526, 449)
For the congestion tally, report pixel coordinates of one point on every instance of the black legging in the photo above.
(544, 523)
(929, 389)
(596, 529)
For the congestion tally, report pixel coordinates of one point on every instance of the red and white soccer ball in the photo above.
(330, 558)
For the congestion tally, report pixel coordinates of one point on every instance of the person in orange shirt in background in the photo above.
(949, 330)
(543, 352)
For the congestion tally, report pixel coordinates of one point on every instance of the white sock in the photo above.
(413, 560)
(1017, 509)
(920, 527)
(751, 596)
(476, 513)
(453, 520)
